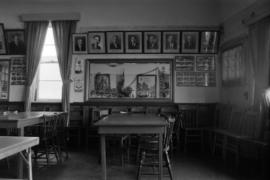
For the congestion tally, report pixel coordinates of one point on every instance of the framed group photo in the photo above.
(79, 43)
(115, 42)
(190, 42)
(3, 49)
(96, 42)
(133, 42)
(15, 41)
(152, 42)
(171, 42)
(209, 42)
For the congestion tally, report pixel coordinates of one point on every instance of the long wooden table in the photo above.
(10, 145)
(20, 121)
(130, 124)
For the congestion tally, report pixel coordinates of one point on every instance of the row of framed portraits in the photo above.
(100, 42)
(12, 41)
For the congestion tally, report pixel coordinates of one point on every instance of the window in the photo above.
(49, 78)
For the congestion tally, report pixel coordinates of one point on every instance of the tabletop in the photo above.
(132, 119)
(10, 145)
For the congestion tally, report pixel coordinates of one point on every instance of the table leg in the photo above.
(20, 160)
(30, 175)
(160, 156)
(103, 156)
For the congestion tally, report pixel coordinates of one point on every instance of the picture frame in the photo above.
(79, 43)
(171, 42)
(209, 41)
(102, 83)
(146, 86)
(96, 42)
(115, 42)
(4, 77)
(15, 41)
(190, 42)
(133, 42)
(3, 48)
(152, 42)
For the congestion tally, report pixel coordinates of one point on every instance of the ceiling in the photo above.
(226, 7)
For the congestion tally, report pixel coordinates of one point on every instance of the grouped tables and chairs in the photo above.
(131, 123)
(21, 120)
(10, 145)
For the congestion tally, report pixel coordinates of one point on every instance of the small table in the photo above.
(130, 124)
(10, 145)
(21, 120)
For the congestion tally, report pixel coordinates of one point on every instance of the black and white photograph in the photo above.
(152, 42)
(133, 42)
(209, 40)
(79, 43)
(190, 42)
(15, 41)
(115, 42)
(171, 42)
(96, 41)
(3, 49)
(135, 89)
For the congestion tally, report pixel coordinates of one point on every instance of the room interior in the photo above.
(216, 90)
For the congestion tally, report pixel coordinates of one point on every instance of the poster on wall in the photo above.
(17, 71)
(146, 86)
(4, 79)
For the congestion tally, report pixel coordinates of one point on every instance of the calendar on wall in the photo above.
(195, 70)
(4, 79)
(17, 71)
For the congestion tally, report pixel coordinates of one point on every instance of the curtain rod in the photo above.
(50, 16)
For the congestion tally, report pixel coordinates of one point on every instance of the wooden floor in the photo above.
(85, 166)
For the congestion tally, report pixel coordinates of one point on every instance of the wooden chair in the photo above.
(75, 125)
(223, 116)
(191, 132)
(47, 133)
(62, 135)
(149, 152)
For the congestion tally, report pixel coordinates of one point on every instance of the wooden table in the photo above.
(21, 120)
(10, 145)
(130, 124)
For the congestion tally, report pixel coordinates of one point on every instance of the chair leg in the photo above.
(140, 166)
(167, 158)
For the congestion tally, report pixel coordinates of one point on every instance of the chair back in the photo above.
(223, 115)
(188, 116)
(235, 121)
(118, 109)
(169, 132)
(49, 126)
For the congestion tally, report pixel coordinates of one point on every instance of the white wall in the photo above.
(118, 14)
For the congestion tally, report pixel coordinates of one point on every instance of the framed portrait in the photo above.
(15, 41)
(3, 49)
(146, 86)
(102, 83)
(115, 42)
(133, 42)
(209, 41)
(152, 42)
(205, 63)
(79, 43)
(190, 42)
(171, 42)
(4, 77)
(96, 41)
